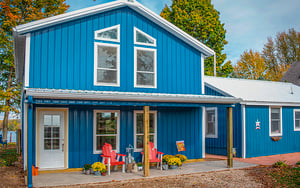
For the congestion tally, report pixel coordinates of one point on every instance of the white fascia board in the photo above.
(130, 96)
(202, 74)
(27, 60)
(267, 103)
(47, 22)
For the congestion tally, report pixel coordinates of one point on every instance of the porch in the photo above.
(73, 178)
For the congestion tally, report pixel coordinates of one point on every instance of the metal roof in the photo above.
(127, 96)
(256, 92)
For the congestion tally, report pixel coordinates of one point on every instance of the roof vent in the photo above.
(292, 92)
(131, 1)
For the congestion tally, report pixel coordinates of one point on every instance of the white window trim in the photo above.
(296, 110)
(155, 126)
(216, 123)
(96, 64)
(135, 67)
(27, 61)
(275, 134)
(106, 29)
(140, 43)
(95, 151)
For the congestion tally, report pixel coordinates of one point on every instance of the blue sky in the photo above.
(248, 22)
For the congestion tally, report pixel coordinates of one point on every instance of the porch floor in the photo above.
(73, 178)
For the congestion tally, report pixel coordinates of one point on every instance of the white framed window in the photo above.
(109, 34)
(139, 129)
(142, 38)
(211, 129)
(275, 121)
(296, 119)
(107, 64)
(145, 67)
(106, 129)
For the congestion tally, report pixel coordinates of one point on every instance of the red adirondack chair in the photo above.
(111, 158)
(154, 155)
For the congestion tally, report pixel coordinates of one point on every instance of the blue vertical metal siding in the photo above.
(258, 141)
(173, 124)
(62, 56)
(209, 91)
(218, 146)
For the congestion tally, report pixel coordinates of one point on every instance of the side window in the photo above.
(106, 129)
(275, 121)
(139, 130)
(211, 129)
(297, 120)
(107, 57)
(145, 60)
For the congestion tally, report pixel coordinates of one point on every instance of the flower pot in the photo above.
(87, 172)
(103, 173)
(97, 173)
(140, 168)
(165, 166)
(173, 166)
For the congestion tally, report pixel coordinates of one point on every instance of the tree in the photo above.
(280, 52)
(199, 19)
(13, 13)
(250, 66)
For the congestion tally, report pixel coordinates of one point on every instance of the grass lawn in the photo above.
(287, 176)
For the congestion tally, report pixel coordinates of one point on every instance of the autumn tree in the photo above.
(250, 66)
(201, 20)
(280, 52)
(13, 13)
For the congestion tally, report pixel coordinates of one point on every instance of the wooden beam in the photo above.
(229, 137)
(146, 141)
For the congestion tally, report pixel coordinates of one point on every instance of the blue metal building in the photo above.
(87, 75)
(265, 122)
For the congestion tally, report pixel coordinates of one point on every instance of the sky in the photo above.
(248, 22)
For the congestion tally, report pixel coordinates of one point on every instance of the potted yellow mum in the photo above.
(174, 162)
(98, 167)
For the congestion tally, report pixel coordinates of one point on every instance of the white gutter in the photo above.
(128, 96)
(268, 103)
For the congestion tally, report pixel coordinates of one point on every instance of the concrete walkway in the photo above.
(73, 178)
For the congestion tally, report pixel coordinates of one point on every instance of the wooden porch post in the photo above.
(146, 141)
(229, 137)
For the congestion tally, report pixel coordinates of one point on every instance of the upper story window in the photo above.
(107, 57)
(211, 130)
(109, 34)
(296, 119)
(145, 60)
(275, 121)
(142, 38)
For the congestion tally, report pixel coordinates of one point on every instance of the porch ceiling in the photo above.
(127, 96)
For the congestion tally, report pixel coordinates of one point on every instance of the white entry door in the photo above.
(51, 139)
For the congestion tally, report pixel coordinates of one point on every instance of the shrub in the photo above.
(298, 163)
(181, 157)
(10, 156)
(3, 163)
(279, 164)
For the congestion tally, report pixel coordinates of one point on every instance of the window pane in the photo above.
(106, 123)
(56, 120)
(47, 132)
(275, 115)
(106, 76)
(139, 141)
(145, 60)
(297, 115)
(101, 140)
(275, 110)
(47, 144)
(110, 34)
(143, 38)
(55, 143)
(47, 120)
(297, 123)
(210, 128)
(139, 123)
(107, 57)
(146, 79)
(275, 126)
(55, 132)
